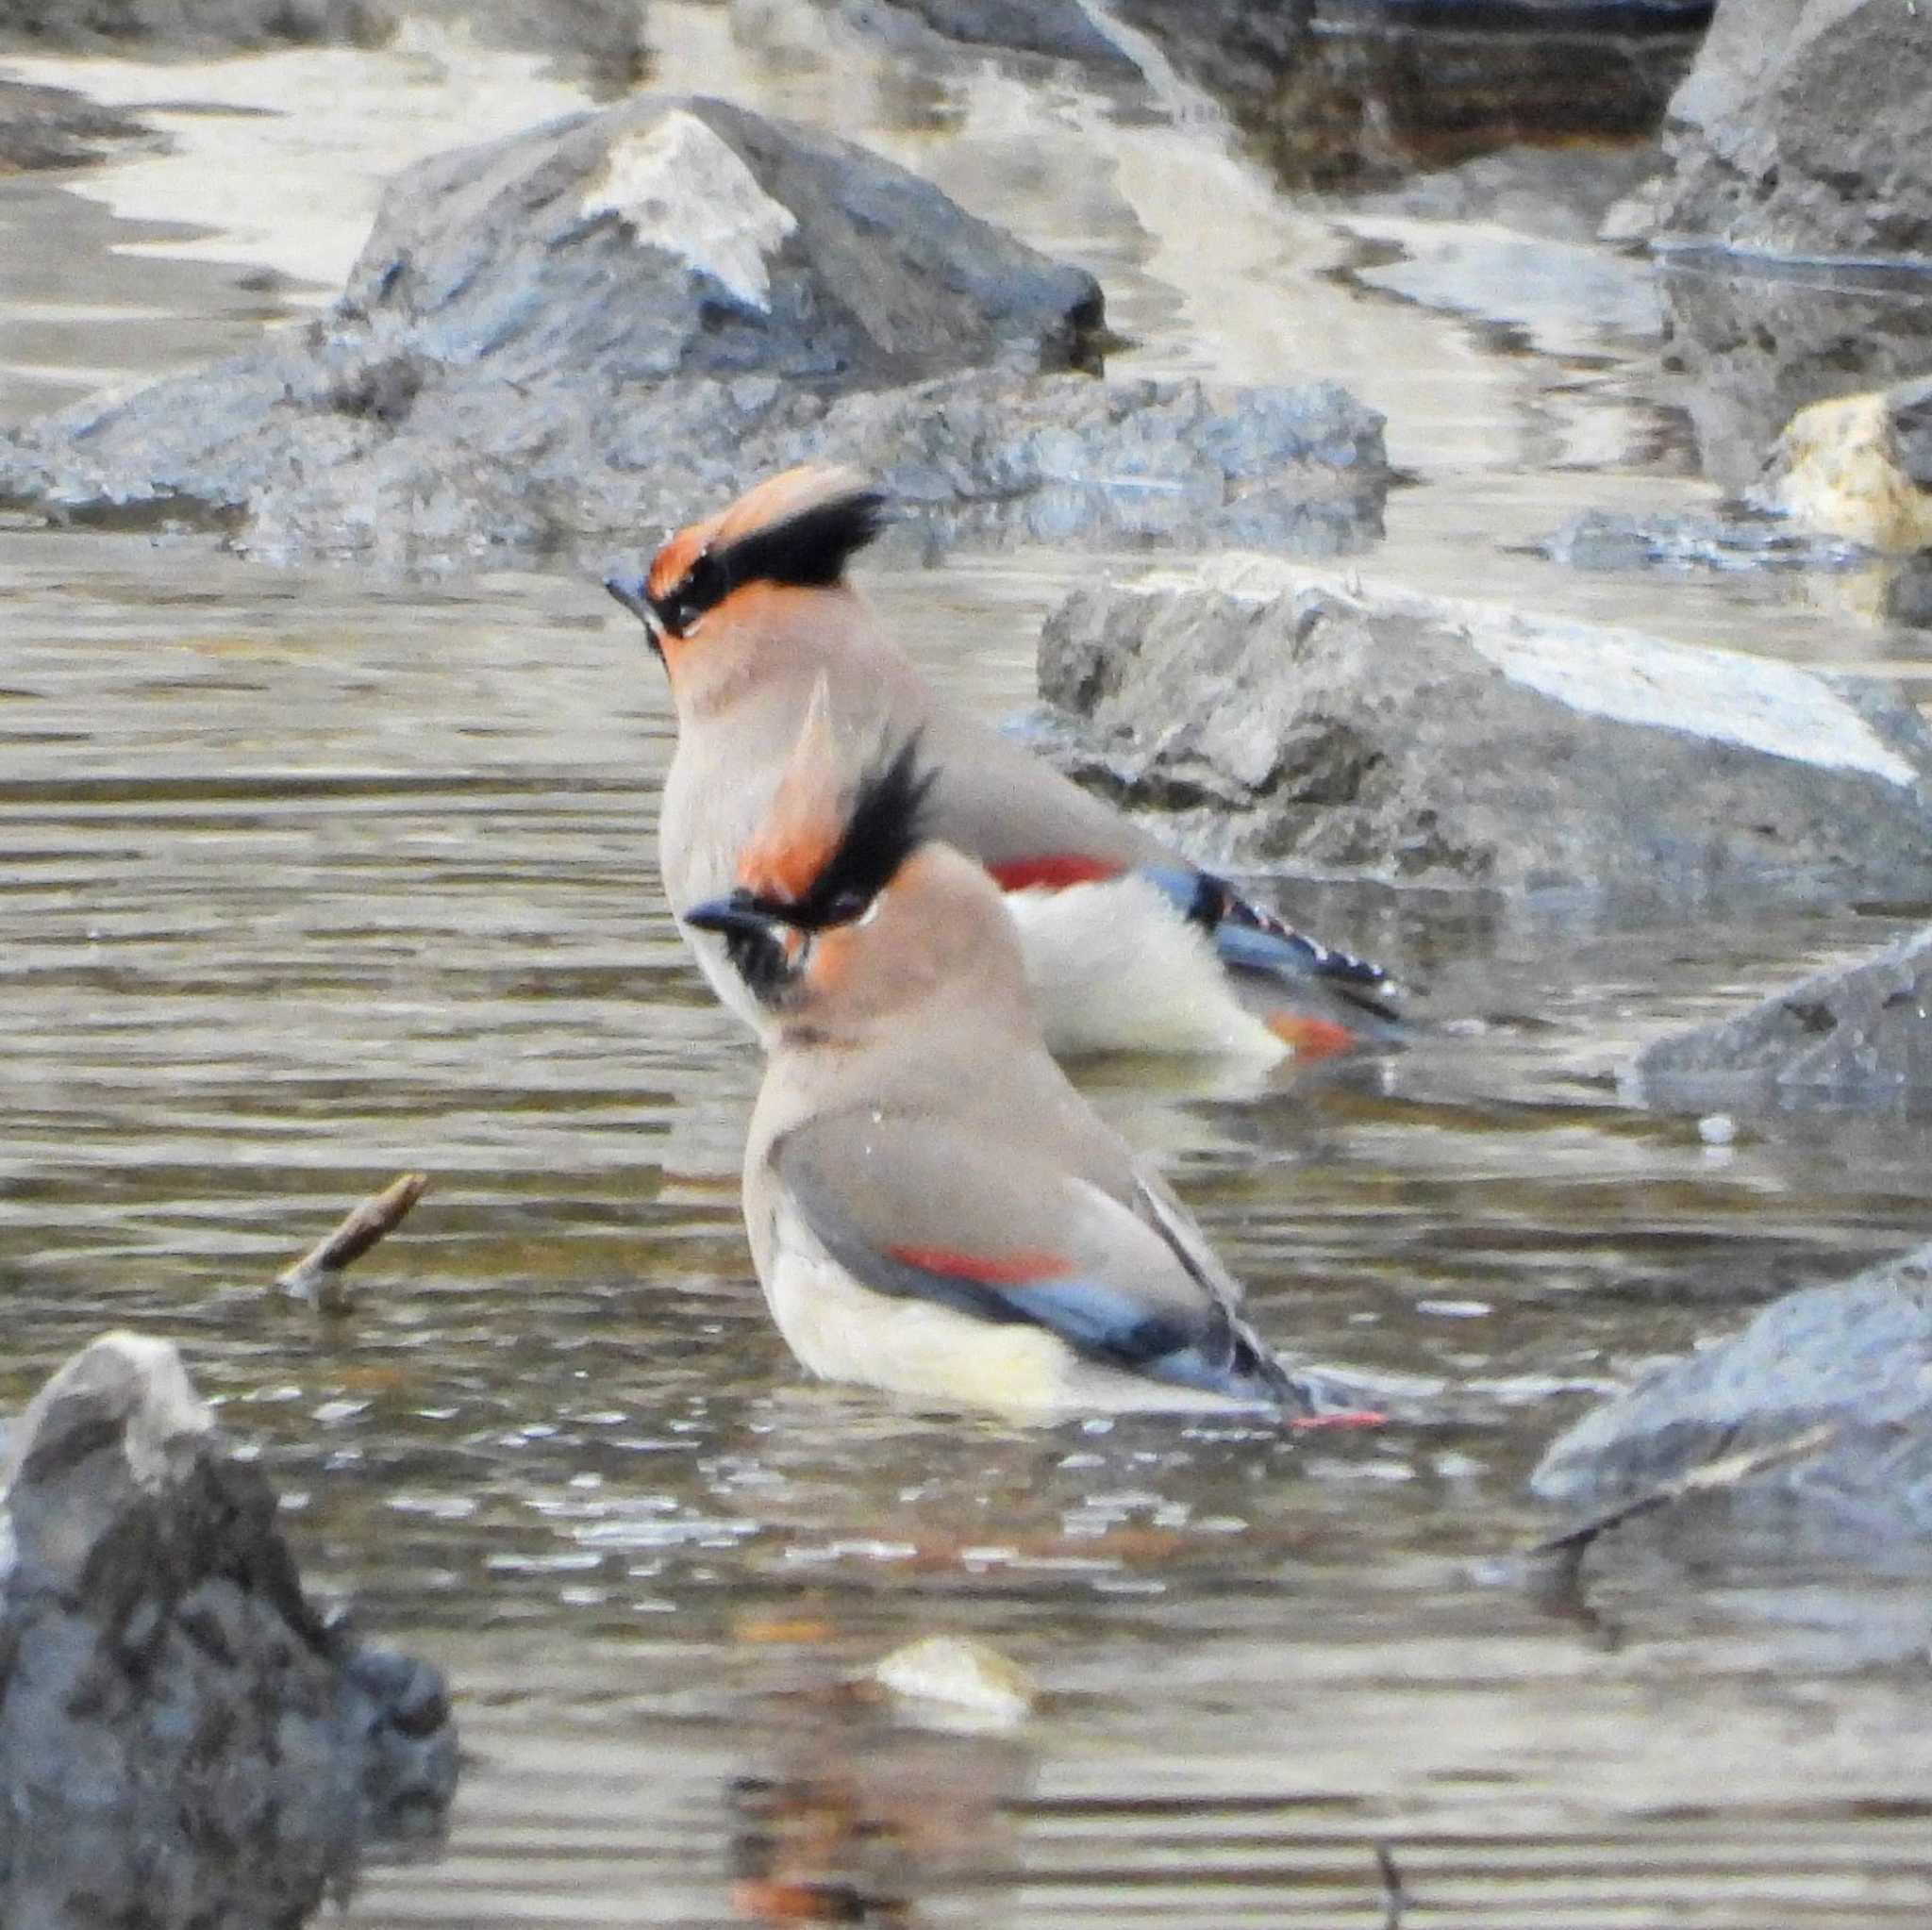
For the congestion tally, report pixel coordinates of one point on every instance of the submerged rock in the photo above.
(183, 1742)
(605, 324)
(1858, 1032)
(963, 1680)
(1600, 540)
(1801, 133)
(1856, 1355)
(55, 127)
(1429, 741)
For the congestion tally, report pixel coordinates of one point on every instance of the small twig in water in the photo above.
(317, 1275)
(1728, 1471)
(1395, 1898)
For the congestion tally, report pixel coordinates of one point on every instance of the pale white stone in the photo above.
(966, 1678)
(680, 188)
(1757, 703)
(1754, 701)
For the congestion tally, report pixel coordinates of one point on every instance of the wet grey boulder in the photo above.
(1748, 350)
(1856, 1355)
(183, 1742)
(1801, 132)
(1279, 716)
(1857, 1033)
(567, 340)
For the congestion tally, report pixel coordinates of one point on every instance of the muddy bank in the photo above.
(184, 1741)
(572, 337)
(1426, 740)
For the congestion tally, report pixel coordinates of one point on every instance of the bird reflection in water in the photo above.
(854, 1817)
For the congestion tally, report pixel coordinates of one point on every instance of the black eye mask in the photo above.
(810, 549)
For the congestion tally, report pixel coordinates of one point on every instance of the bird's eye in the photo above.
(701, 588)
(850, 906)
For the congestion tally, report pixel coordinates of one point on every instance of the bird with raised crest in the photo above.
(933, 1208)
(1127, 945)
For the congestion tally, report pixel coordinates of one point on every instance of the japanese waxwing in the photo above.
(933, 1208)
(1128, 947)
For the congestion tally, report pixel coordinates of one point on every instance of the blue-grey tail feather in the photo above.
(1248, 938)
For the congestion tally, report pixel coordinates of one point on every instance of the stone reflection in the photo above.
(1352, 94)
(1751, 349)
(853, 1817)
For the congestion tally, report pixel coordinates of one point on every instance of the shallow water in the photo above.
(305, 878)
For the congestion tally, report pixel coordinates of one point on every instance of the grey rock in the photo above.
(1749, 349)
(1801, 132)
(1855, 1033)
(1421, 739)
(183, 1740)
(55, 127)
(1857, 1355)
(593, 329)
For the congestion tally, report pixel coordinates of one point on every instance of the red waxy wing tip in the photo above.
(1052, 871)
(1310, 1037)
(1019, 1268)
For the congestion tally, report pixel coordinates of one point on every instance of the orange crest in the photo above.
(803, 824)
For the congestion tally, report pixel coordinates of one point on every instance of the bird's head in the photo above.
(830, 915)
(763, 568)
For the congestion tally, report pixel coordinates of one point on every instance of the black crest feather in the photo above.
(886, 827)
(811, 547)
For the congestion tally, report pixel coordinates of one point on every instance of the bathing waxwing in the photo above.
(933, 1208)
(1128, 946)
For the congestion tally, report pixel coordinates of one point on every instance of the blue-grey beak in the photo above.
(629, 591)
(736, 915)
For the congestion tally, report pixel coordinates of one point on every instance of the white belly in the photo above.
(1114, 967)
(841, 1330)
